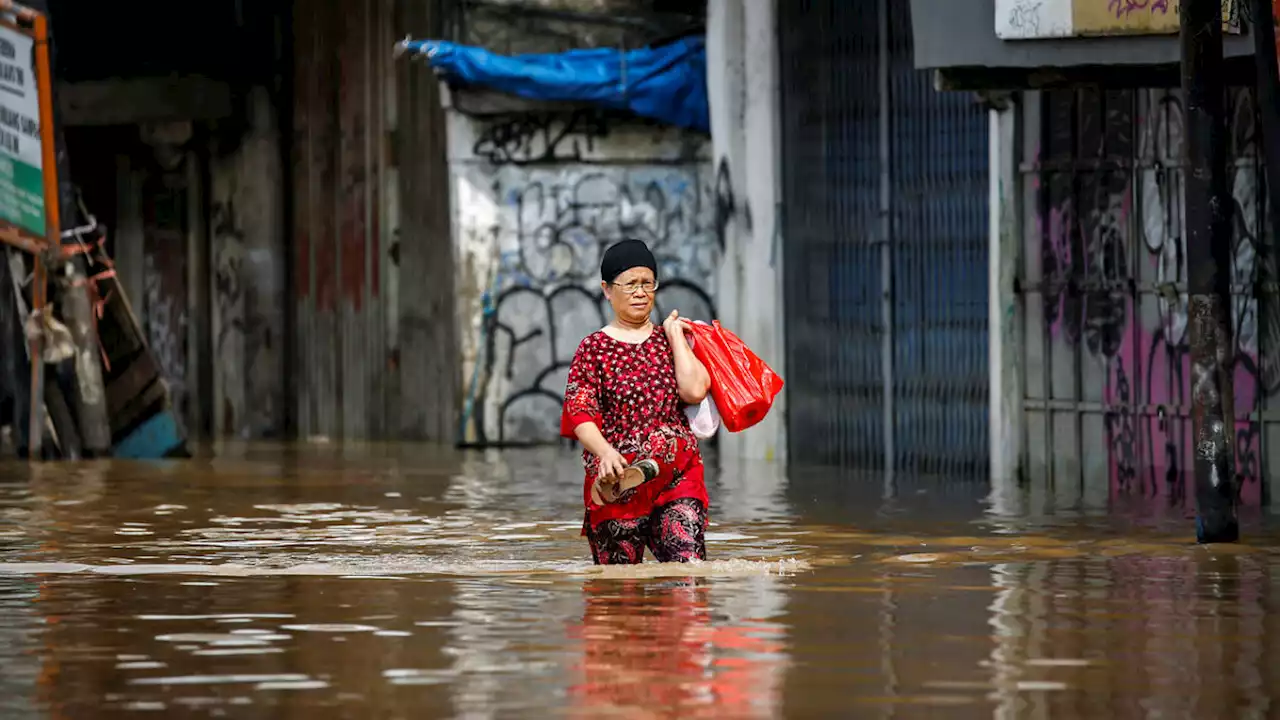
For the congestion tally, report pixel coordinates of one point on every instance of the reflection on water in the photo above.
(411, 582)
(677, 644)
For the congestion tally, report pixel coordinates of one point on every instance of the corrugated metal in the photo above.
(304, 419)
(345, 345)
(940, 234)
(1107, 368)
(429, 396)
(837, 78)
(376, 357)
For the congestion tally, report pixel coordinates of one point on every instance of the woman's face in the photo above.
(631, 295)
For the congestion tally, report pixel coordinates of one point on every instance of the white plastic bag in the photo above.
(704, 418)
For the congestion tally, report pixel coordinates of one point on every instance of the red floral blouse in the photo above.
(629, 391)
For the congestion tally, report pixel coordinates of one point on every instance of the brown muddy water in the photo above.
(415, 583)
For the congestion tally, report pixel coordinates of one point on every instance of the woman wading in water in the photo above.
(627, 389)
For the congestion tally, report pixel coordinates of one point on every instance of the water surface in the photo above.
(411, 582)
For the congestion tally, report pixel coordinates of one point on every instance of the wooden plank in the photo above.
(139, 374)
(353, 169)
(299, 407)
(353, 223)
(323, 345)
(119, 337)
(430, 375)
(379, 71)
(324, 159)
(150, 401)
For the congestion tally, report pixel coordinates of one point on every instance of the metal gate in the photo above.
(1107, 371)
(885, 204)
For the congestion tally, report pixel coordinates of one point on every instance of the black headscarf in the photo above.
(625, 255)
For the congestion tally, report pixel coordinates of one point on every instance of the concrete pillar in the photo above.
(742, 82)
(245, 275)
(1004, 306)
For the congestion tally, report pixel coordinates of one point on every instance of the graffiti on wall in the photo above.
(1113, 257)
(164, 281)
(243, 342)
(228, 315)
(1040, 19)
(247, 318)
(549, 228)
(532, 138)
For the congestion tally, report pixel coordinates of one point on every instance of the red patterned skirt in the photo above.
(675, 481)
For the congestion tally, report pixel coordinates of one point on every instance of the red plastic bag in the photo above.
(742, 385)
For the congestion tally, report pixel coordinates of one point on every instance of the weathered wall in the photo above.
(164, 308)
(537, 197)
(536, 200)
(512, 27)
(247, 266)
(1107, 373)
(424, 374)
(388, 277)
(742, 82)
(345, 228)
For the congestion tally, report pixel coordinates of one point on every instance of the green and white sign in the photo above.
(21, 156)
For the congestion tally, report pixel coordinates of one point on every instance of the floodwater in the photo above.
(407, 582)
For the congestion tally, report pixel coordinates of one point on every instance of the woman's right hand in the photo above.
(612, 464)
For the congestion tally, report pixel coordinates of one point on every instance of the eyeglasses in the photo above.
(645, 286)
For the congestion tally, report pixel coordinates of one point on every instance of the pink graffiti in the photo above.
(1130, 322)
(1163, 445)
(1124, 8)
(1059, 269)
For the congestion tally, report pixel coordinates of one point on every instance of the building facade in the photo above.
(1090, 355)
(325, 241)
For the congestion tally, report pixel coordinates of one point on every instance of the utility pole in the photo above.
(1208, 212)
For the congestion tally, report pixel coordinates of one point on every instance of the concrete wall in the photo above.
(742, 82)
(199, 243)
(169, 165)
(371, 349)
(536, 198)
(247, 266)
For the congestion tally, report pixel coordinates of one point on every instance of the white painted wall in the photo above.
(742, 81)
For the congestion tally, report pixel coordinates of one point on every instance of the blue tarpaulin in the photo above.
(667, 83)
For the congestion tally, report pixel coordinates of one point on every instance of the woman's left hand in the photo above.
(674, 326)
